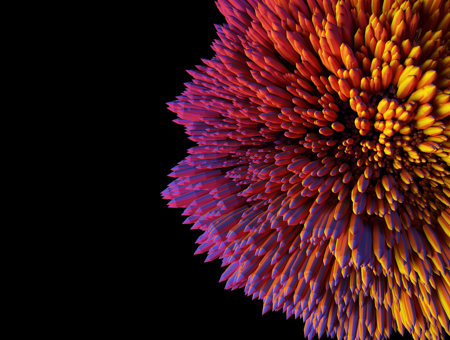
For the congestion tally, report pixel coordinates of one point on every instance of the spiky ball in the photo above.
(321, 175)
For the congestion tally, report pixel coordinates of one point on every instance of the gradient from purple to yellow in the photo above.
(320, 175)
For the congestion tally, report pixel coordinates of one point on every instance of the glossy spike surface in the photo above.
(321, 172)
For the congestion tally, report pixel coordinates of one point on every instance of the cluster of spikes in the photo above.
(321, 171)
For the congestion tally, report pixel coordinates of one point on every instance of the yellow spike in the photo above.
(446, 215)
(432, 307)
(443, 296)
(386, 76)
(432, 238)
(415, 52)
(423, 111)
(427, 78)
(406, 86)
(437, 261)
(379, 49)
(355, 76)
(446, 192)
(428, 147)
(443, 320)
(398, 72)
(348, 57)
(420, 270)
(424, 94)
(441, 98)
(426, 37)
(437, 167)
(396, 20)
(437, 139)
(406, 177)
(443, 111)
(425, 122)
(443, 199)
(406, 311)
(424, 304)
(428, 64)
(444, 24)
(447, 131)
(437, 52)
(383, 105)
(388, 115)
(410, 71)
(413, 154)
(406, 46)
(406, 130)
(433, 130)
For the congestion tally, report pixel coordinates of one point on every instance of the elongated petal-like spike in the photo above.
(432, 238)
(320, 174)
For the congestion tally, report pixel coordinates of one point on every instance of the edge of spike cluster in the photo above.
(321, 174)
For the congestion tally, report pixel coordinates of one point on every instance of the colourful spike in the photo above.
(320, 175)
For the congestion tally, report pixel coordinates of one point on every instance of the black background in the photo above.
(192, 300)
